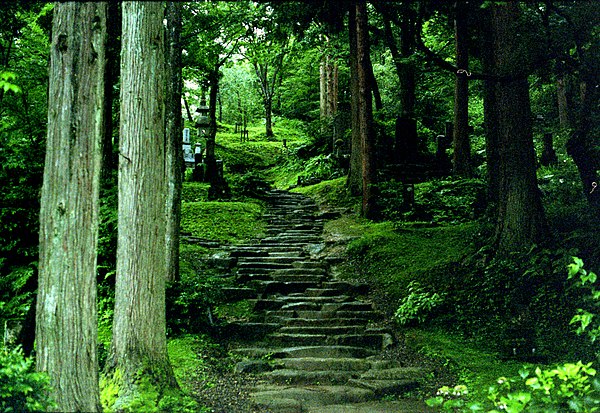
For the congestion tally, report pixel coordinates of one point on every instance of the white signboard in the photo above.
(186, 135)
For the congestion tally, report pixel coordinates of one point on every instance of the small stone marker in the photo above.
(188, 156)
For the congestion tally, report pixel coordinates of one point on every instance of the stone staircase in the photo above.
(316, 346)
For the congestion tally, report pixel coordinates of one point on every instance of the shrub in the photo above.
(568, 387)
(418, 304)
(22, 389)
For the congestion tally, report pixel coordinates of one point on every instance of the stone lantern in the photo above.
(202, 119)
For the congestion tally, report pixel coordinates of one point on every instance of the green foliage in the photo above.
(22, 389)
(448, 201)
(222, 221)
(6, 79)
(332, 194)
(194, 192)
(567, 387)
(517, 302)
(189, 300)
(392, 257)
(250, 184)
(586, 318)
(418, 304)
(15, 295)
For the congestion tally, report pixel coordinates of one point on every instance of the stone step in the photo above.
(327, 330)
(326, 363)
(297, 399)
(318, 300)
(291, 239)
(323, 322)
(326, 377)
(263, 250)
(267, 260)
(322, 292)
(249, 267)
(299, 278)
(348, 306)
(299, 339)
(300, 271)
(305, 352)
(279, 287)
(369, 315)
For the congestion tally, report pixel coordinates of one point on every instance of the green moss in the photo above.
(330, 193)
(471, 365)
(393, 257)
(194, 192)
(222, 221)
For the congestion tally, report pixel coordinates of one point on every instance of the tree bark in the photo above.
(323, 104)
(139, 345)
(521, 221)
(365, 112)
(354, 181)
(66, 328)
(461, 142)
(174, 156)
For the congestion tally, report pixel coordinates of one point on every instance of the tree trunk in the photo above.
(365, 112)
(66, 328)
(461, 142)
(174, 155)
(354, 181)
(268, 102)
(139, 345)
(211, 160)
(563, 102)
(323, 89)
(332, 87)
(521, 222)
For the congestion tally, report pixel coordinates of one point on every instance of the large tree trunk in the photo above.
(323, 104)
(66, 328)
(365, 112)
(173, 131)
(521, 221)
(354, 181)
(461, 142)
(268, 102)
(139, 345)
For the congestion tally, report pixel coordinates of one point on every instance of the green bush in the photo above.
(194, 192)
(567, 387)
(22, 389)
(418, 304)
(250, 184)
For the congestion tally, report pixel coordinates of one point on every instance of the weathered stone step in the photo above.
(322, 292)
(264, 251)
(300, 271)
(290, 376)
(357, 315)
(394, 373)
(269, 259)
(327, 330)
(279, 287)
(304, 352)
(323, 322)
(348, 306)
(326, 363)
(317, 300)
(291, 239)
(262, 265)
(299, 278)
(299, 339)
(296, 399)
